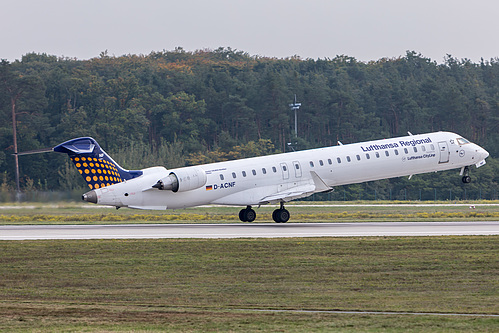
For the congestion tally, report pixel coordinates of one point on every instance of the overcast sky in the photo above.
(363, 29)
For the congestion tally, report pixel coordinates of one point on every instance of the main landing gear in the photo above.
(280, 215)
(466, 175)
(247, 214)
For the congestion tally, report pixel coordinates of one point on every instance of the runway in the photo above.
(247, 230)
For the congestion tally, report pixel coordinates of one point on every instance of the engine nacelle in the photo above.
(184, 179)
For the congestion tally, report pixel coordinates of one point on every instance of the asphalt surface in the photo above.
(247, 230)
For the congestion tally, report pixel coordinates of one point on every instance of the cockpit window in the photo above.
(462, 141)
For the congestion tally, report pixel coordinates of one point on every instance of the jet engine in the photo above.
(184, 179)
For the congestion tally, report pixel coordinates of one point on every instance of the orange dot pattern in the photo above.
(98, 173)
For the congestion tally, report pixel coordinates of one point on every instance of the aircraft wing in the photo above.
(289, 194)
(299, 191)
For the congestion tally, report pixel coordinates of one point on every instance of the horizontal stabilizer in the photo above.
(37, 151)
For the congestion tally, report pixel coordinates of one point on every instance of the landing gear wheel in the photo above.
(242, 215)
(280, 215)
(283, 215)
(250, 215)
(247, 214)
(275, 217)
(466, 175)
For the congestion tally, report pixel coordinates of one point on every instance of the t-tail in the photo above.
(97, 168)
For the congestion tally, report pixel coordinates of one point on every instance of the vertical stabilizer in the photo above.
(97, 168)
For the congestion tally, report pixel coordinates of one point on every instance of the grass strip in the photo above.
(39, 214)
(191, 285)
(110, 218)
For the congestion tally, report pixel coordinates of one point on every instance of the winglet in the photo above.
(320, 185)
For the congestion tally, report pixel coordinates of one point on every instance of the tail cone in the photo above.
(90, 196)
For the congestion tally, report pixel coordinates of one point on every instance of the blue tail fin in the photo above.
(97, 168)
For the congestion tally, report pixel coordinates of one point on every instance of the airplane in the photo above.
(271, 179)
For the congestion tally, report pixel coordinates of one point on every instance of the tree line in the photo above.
(177, 108)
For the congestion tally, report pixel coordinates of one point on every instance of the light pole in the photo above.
(295, 106)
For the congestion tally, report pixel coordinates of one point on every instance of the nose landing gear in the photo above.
(465, 172)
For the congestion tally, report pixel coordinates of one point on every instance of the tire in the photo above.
(250, 215)
(466, 179)
(275, 216)
(242, 215)
(280, 215)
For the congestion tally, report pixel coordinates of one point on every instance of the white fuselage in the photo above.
(288, 176)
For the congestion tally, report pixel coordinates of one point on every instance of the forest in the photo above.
(177, 108)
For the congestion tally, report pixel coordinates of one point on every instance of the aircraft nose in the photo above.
(483, 153)
(480, 154)
(90, 196)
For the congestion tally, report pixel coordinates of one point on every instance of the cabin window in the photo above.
(387, 153)
(432, 147)
(264, 171)
(311, 164)
(321, 163)
(284, 168)
(415, 149)
(423, 148)
(338, 159)
(406, 151)
(348, 159)
(396, 152)
(244, 173)
(233, 175)
(329, 161)
(297, 166)
(368, 156)
(358, 157)
(253, 172)
(274, 169)
(377, 155)
(221, 177)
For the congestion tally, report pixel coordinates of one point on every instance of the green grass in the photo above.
(202, 285)
(76, 214)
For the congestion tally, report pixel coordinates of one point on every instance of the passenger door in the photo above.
(444, 152)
